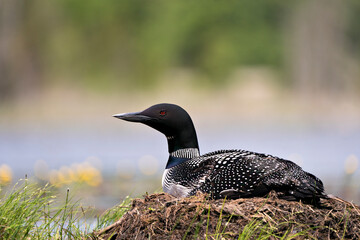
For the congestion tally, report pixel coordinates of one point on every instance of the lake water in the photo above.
(321, 151)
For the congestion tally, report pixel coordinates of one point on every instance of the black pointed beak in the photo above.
(133, 117)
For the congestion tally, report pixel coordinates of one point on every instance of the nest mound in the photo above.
(161, 216)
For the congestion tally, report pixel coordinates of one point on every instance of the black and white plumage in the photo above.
(224, 173)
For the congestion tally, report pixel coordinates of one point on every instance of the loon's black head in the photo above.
(169, 119)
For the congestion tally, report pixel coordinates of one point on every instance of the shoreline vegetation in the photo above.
(30, 211)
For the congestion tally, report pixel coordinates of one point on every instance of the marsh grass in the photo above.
(29, 211)
(113, 214)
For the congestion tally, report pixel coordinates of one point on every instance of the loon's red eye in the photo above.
(162, 112)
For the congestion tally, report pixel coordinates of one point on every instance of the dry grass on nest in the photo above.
(161, 216)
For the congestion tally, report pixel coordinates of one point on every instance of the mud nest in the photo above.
(161, 216)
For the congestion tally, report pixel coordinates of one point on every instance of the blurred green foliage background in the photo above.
(104, 45)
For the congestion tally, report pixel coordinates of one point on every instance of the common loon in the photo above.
(224, 173)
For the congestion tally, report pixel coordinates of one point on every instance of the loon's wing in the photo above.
(294, 182)
(289, 180)
(247, 174)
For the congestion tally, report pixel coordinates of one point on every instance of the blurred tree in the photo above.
(353, 26)
(321, 62)
(19, 53)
